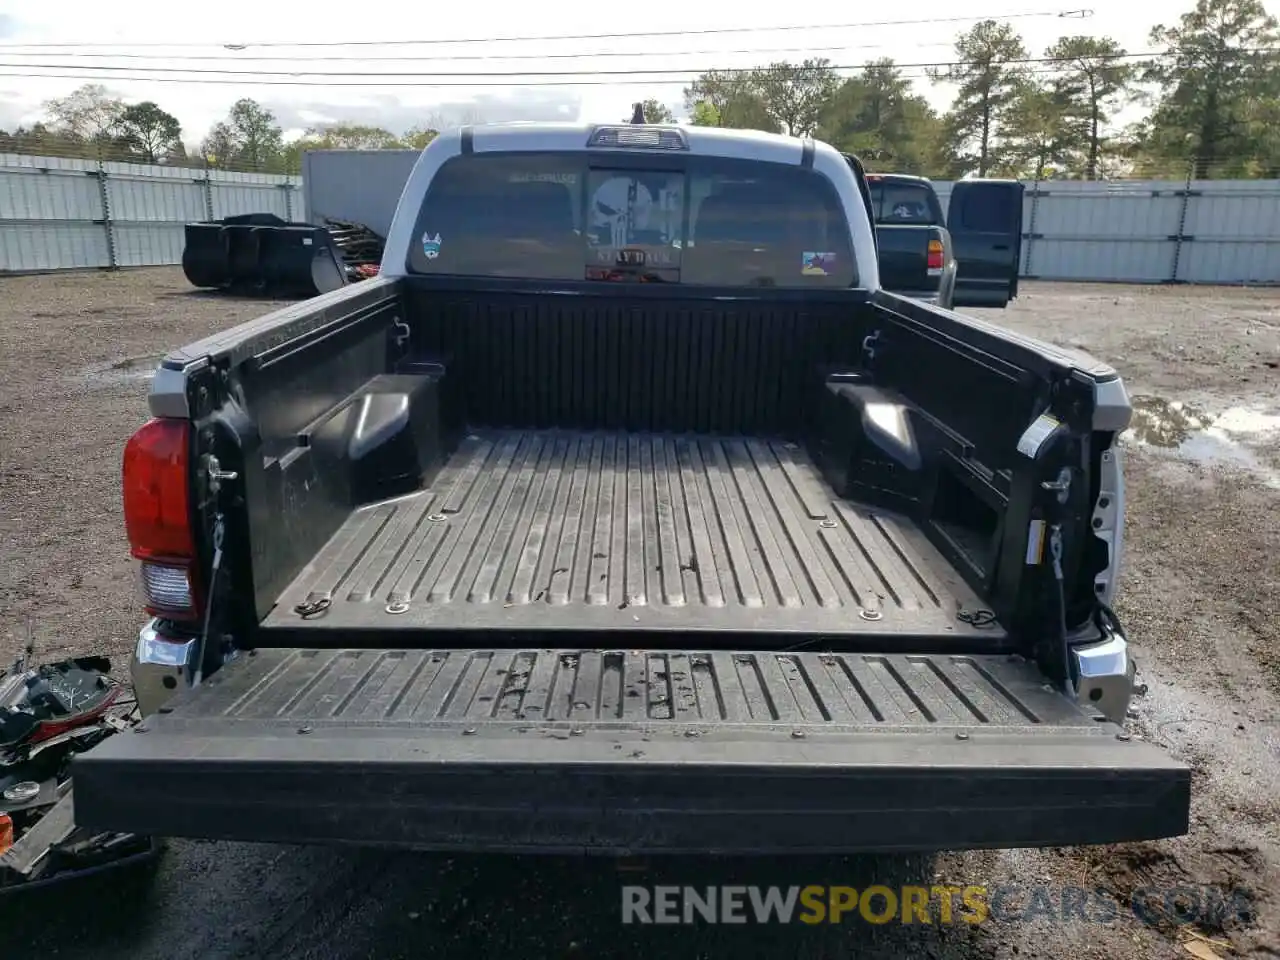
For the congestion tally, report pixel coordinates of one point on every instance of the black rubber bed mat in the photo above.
(532, 530)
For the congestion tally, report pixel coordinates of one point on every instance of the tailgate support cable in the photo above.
(1055, 554)
(219, 529)
(1062, 488)
(216, 478)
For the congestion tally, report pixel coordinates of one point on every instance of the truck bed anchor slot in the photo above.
(312, 608)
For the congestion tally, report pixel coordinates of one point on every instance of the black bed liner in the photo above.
(627, 751)
(557, 530)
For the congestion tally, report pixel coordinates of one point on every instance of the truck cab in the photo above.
(627, 512)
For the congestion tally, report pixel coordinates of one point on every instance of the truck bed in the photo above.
(570, 531)
(677, 639)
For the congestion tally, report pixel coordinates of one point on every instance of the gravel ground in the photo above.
(1200, 600)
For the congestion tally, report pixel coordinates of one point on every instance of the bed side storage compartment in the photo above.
(868, 441)
(316, 415)
(389, 436)
(877, 447)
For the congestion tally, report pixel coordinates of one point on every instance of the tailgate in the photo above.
(904, 257)
(631, 751)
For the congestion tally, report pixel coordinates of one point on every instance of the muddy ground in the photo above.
(1201, 601)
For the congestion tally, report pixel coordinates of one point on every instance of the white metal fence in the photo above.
(58, 213)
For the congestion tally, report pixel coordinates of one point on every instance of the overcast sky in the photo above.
(149, 35)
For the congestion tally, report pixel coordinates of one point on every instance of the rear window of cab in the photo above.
(633, 218)
(896, 202)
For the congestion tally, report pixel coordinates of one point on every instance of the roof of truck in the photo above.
(503, 136)
(586, 128)
(901, 177)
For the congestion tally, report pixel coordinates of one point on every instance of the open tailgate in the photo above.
(631, 751)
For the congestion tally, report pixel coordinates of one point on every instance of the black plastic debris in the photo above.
(48, 715)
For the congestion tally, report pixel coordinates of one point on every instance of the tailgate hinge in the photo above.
(869, 343)
(217, 476)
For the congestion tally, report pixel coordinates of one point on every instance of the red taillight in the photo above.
(935, 254)
(157, 516)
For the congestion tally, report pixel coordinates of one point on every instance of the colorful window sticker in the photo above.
(430, 245)
(817, 264)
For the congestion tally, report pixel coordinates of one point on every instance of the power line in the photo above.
(678, 77)
(328, 58)
(430, 78)
(1066, 14)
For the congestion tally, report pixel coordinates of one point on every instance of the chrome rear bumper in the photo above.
(162, 665)
(1106, 673)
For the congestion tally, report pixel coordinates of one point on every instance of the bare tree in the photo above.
(87, 113)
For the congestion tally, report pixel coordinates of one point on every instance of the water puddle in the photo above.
(1231, 437)
(128, 370)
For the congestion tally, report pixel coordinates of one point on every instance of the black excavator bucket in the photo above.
(262, 253)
